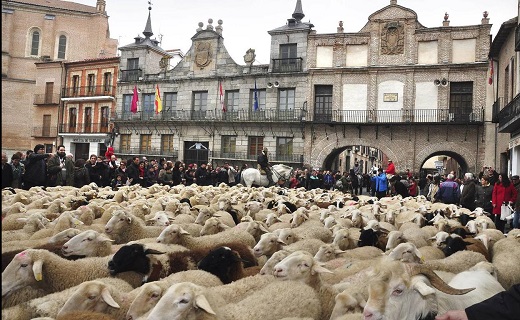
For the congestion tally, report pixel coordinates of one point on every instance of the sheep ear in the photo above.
(319, 269)
(37, 270)
(338, 251)
(281, 242)
(152, 251)
(129, 220)
(202, 303)
(107, 297)
(23, 220)
(423, 288)
(218, 215)
(264, 229)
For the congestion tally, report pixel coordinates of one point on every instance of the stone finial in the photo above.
(393, 2)
(446, 22)
(210, 24)
(200, 26)
(298, 14)
(485, 19)
(219, 27)
(340, 28)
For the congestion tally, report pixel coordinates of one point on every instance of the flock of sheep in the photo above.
(244, 253)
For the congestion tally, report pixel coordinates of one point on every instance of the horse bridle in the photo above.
(280, 176)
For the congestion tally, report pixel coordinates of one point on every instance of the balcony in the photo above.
(509, 117)
(146, 152)
(46, 99)
(291, 115)
(89, 91)
(287, 65)
(44, 132)
(84, 128)
(403, 116)
(131, 75)
(244, 156)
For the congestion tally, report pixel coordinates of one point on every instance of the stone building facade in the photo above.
(36, 37)
(394, 90)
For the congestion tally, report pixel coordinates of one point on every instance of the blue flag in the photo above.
(255, 99)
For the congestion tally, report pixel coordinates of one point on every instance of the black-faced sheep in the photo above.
(226, 264)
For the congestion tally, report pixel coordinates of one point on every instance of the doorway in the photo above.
(196, 152)
(81, 151)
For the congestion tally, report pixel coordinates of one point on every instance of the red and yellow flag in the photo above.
(158, 101)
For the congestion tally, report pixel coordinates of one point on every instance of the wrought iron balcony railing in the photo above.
(509, 117)
(292, 115)
(300, 115)
(47, 99)
(131, 75)
(289, 158)
(89, 91)
(167, 153)
(44, 132)
(84, 128)
(287, 65)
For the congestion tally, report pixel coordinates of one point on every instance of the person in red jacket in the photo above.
(390, 170)
(503, 191)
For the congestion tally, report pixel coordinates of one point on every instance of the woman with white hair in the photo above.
(467, 195)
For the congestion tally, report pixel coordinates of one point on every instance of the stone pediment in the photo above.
(391, 13)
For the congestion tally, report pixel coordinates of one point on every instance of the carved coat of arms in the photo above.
(203, 54)
(392, 38)
(250, 56)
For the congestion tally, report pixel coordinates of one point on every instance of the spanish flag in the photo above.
(158, 102)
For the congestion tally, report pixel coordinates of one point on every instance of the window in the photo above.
(73, 114)
(107, 82)
(286, 100)
(87, 120)
(288, 51)
(284, 149)
(261, 94)
(323, 103)
(170, 104)
(104, 119)
(148, 105)
(91, 83)
(228, 147)
(127, 104)
(167, 144)
(200, 104)
(62, 46)
(256, 144)
(146, 143)
(75, 84)
(461, 100)
(132, 70)
(232, 100)
(35, 43)
(125, 142)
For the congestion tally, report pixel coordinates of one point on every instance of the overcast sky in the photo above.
(246, 22)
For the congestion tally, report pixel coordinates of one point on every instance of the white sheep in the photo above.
(150, 293)
(124, 227)
(330, 251)
(300, 301)
(213, 226)
(43, 269)
(505, 259)
(88, 243)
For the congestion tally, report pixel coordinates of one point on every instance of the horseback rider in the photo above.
(263, 162)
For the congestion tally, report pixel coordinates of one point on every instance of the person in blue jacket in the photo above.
(381, 186)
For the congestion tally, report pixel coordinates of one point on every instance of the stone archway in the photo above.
(323, 148)
(440, 149)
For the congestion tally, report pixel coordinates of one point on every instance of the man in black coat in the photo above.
(202, 176)
(263, 162)
(36, 168)
(7, 172)
(132, 171)
(467, 196)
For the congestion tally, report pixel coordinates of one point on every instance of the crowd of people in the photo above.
(489, 191)
(37, 168)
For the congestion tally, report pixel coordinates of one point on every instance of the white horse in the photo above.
(252, 176)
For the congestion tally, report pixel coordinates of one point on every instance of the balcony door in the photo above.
(196, 152)
(461, 100)
(46, 128)
(49, 88)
